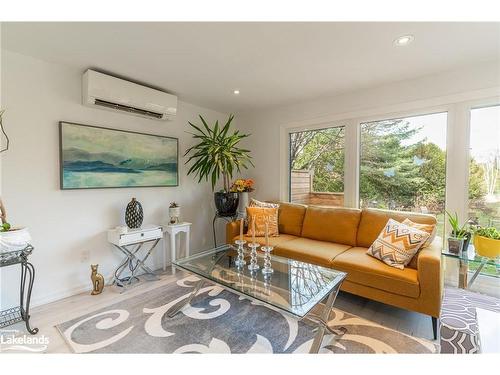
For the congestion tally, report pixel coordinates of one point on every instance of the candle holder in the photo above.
(240, 259)
(253, 266)
(267, 269)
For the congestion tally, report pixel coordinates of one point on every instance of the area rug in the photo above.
(218, 321)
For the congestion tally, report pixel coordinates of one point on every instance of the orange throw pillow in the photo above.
(259, 215)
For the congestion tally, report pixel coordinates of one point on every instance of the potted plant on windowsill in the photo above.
(460, 236)
(487, 242)
(217, 155)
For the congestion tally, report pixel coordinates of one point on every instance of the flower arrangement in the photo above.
(242, 185)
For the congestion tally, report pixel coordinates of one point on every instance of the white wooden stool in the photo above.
(172, 230)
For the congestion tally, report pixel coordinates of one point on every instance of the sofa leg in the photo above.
(434, 327)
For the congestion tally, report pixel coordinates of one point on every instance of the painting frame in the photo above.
(61, 157)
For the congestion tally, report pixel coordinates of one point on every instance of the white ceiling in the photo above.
(272, 64)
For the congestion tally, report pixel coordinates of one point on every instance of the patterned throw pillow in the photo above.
(397, 244)
(429, 228)
(260, 215)
(256, 203)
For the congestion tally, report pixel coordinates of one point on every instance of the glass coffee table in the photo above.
(293, 287)
(469, 260)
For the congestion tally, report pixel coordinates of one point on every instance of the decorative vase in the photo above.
(174, 213)
(242, 204)
(134, 214)
(226, 203)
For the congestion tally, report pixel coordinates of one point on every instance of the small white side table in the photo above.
(172, 230)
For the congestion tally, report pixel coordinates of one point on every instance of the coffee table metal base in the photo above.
(321, 320)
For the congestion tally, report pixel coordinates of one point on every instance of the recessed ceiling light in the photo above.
(236, 92)
(403, 40)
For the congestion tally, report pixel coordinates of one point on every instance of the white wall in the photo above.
(268, 127)
(0, 102)
(63, 224)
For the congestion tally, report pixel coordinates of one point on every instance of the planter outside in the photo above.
(487, 247)
(455, 245)
(226, 203)
(242, 205)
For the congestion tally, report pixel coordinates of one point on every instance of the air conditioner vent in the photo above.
(111, 93)
(126, 108)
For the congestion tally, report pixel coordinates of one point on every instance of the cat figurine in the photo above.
(97, 280)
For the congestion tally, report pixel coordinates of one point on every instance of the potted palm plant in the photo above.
(217, 156)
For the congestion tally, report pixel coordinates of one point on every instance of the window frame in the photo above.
(415, 113)
(290, 132)
(458, 109)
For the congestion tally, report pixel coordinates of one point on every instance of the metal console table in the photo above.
(129, 244)
(21, 312)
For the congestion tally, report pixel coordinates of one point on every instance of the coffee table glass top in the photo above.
(294, 287)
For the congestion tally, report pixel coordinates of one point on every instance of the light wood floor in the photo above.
(47, 316)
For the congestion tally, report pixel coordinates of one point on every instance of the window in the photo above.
(403, 164)
(484, 166)
(317, 166)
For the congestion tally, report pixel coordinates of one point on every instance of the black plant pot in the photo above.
(226, 203)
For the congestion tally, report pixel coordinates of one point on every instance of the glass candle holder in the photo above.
(267, 269)
(253, 266)
(240, 259)
(267, 284)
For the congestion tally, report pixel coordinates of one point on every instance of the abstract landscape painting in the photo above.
(95, 157)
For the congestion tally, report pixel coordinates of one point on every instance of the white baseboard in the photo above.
(65, 293)
(61, 294)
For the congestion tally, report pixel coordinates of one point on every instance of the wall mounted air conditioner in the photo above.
(108, 92)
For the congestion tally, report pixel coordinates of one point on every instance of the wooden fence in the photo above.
(302, 191)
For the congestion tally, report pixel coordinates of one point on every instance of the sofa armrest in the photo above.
(430, 275)
(232, 230)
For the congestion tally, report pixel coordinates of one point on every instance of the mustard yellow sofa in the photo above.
(339, 238)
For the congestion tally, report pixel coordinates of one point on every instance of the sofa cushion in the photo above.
(260, 218)
(311, 251)
(290, 218)
(332, 224)
(397, 244)
(255, 203)
(373, 221)
(273, 241)
(366, 270)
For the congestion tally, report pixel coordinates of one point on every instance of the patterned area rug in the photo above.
(218, 321)
(459, 331)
